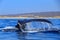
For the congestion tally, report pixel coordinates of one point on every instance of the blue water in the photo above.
(27, 36)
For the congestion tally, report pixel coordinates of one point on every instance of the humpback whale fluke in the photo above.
(22, 24)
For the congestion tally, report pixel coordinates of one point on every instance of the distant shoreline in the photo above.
(33, 15)
(28, 17)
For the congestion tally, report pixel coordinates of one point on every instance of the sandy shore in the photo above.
(26, 17)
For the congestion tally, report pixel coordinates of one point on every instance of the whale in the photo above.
(22, 24)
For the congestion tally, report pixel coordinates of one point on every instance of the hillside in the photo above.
(40, 14)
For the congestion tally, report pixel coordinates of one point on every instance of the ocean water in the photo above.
(27, 36)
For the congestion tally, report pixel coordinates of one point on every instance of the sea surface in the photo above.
(28, 36)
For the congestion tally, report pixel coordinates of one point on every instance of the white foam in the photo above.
(7, 27)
